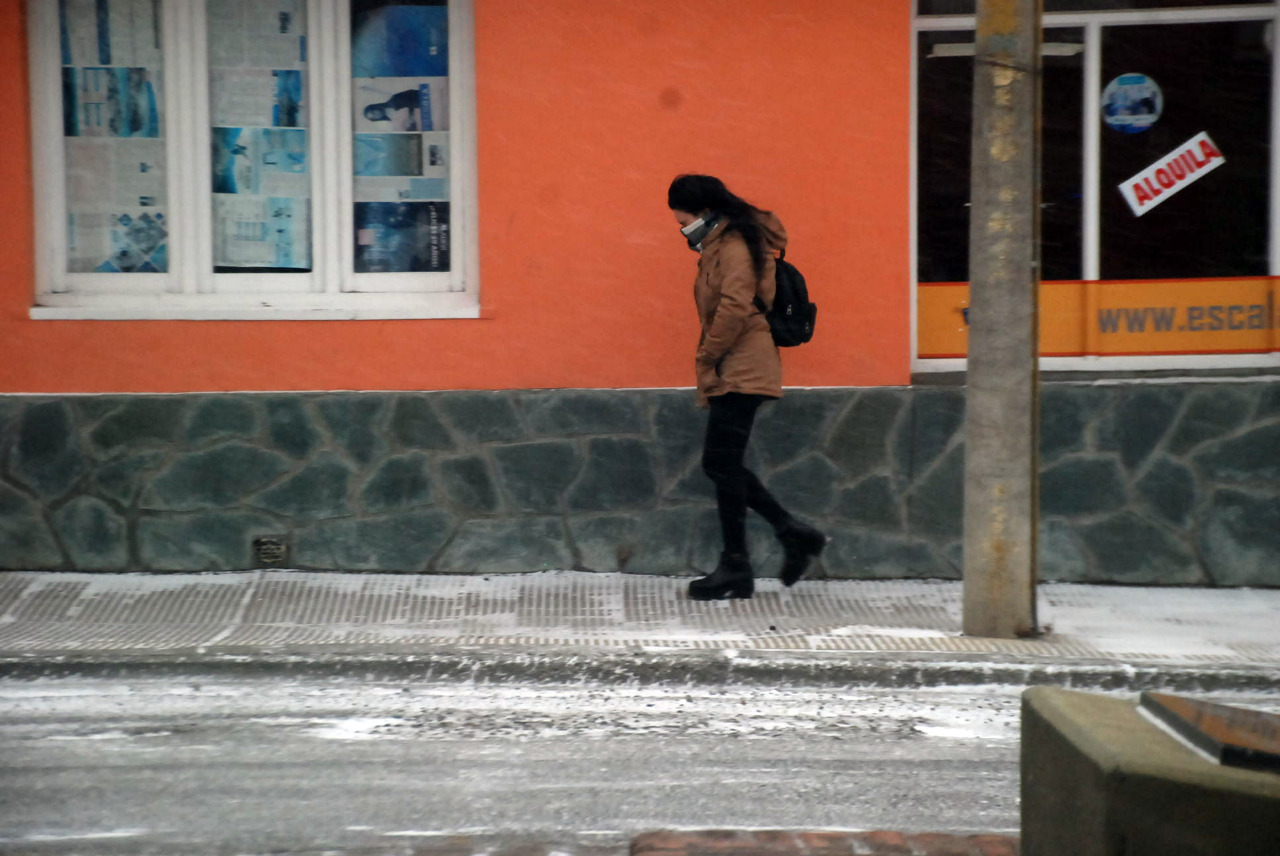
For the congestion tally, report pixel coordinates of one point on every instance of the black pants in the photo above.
(737, 488)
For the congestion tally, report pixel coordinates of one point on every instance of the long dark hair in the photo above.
(698, 193)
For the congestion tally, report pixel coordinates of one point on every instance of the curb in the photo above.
(573, 665)
(709, 842)
(782, 843)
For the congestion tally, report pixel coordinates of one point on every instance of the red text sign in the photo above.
(1189, 162)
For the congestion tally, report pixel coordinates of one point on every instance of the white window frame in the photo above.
(191, 290)
(1092, 23)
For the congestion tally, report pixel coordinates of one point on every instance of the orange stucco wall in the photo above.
(587, 109)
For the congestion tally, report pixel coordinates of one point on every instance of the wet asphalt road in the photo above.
(258, 765)
(261, 765)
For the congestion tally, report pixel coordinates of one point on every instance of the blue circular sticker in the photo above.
(1132, 103)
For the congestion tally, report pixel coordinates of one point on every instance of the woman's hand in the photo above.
(708, 374)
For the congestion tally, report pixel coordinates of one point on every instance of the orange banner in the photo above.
(1125, 318)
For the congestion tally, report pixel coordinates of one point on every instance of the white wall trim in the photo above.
(1200, 14)
(1275, 142)
(913, 184)
(1091, 213)
(276, 307)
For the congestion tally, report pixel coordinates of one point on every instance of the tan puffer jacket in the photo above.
(736, 352)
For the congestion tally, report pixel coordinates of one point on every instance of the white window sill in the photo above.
(284, 307)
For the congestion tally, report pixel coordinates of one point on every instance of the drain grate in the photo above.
(270, 552)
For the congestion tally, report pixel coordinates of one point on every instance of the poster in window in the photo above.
(261, 198)
(257, 33)
(399, 104)
(1132, 103)
(400, 115)
(388, 154)
(401, 167)
(258, 107)
(113, 127)
(111, 102)
(399, 39)
(401, 237)
(262, 231)
(120, 33)
(117, 242)
(263, 161)
(258, 96)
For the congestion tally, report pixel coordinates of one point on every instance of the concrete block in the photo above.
(1100, 779)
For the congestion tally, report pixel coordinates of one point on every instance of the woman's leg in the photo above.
(738, 489)
(728, 430)
(762, 502)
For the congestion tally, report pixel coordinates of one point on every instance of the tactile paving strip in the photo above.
(282, 609)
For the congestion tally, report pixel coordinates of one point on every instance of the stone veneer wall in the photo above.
(1142, 482)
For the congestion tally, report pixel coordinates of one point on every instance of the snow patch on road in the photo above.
(109, 735)
(354, 728)
(1168, 623)
(888, 632)
(77, 836)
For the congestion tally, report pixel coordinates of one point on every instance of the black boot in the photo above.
(731, 578)
(801, 543)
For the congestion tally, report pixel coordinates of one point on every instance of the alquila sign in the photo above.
(1186, 164)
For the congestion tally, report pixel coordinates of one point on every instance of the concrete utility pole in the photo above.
(1001, 482)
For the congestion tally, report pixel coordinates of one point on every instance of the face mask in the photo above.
(698, 230)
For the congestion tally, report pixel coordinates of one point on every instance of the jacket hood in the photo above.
(775, 235)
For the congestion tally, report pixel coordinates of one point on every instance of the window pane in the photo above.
(113, 121)
(967, 7)
(1214, 79)
(400, 93)
(258, 110)
(945, 111)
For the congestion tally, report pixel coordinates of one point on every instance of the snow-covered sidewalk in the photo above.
(280, 610)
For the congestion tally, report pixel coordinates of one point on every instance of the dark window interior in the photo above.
(967, 7)
(1215, 78)
(945, 97)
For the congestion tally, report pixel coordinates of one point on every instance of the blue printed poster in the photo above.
(399, 39)
(110, 102)
(401, 236)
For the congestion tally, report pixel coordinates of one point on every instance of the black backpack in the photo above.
(792, 318)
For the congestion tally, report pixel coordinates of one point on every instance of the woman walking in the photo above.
(738, 368)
